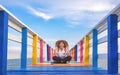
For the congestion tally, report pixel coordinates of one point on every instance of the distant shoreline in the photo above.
(104, 56)
(100, 56)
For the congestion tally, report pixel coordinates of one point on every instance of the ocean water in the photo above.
(15, 63)
(102, 61)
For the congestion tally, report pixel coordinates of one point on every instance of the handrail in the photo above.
(26, 33)
(103, 22)
(17, 24)
(110, 24)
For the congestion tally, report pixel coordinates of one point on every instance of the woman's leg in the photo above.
(68, 58)
(57, 59)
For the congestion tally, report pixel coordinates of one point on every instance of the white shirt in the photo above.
(61, 53)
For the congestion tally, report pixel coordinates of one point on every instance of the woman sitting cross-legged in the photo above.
(62, 54)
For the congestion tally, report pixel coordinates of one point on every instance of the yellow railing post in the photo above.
(87, 47)
(34, 52)
(73, 55)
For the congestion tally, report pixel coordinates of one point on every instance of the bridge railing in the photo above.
(16, 38)
(103, 38)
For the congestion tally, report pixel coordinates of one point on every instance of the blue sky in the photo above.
(60, 19)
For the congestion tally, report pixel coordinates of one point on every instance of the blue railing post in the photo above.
(24, 48)
(112, 44)
(47, 52)
(3, 42)
(95, 48)
(76, 53)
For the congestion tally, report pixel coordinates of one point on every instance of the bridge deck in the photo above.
(58, 69)
(68, 64)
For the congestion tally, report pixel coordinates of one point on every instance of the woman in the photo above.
(62, 54)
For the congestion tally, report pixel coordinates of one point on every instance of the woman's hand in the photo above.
(55, 51)
(68, 53)
(56, 48)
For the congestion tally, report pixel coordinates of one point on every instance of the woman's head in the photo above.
(61, 44)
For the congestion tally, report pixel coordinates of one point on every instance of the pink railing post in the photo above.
(41, 51)
(81, 51)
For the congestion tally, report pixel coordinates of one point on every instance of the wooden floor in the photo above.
(59, 69)
(68, 64)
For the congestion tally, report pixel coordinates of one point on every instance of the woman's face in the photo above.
(61, 45)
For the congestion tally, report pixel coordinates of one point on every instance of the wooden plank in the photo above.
(61, 65)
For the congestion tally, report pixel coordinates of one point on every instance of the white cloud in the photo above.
(14, 48)
(100, 7)
(14, 52)
(82, 5)
(52, 40)
(73, 11)
(38, 13)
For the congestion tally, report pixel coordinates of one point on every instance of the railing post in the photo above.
(87, 46)
(75, 52)
(3, 42)
(94, 48)
(78, 52)
(51, 53)
(81, 51)
(48, 52)
(34, 53)
(45, 52)
(41, 51)
(24, 48)
(112, 44)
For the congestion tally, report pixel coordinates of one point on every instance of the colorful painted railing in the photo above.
(91, 40)
(80, 52)
(9, 20)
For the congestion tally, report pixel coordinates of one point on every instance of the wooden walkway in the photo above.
(67, 65)
(59, 69)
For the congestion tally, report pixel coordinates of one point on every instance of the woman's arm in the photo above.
(68, 52)
(55, 51)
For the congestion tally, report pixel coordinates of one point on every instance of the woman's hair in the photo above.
(59, 41)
